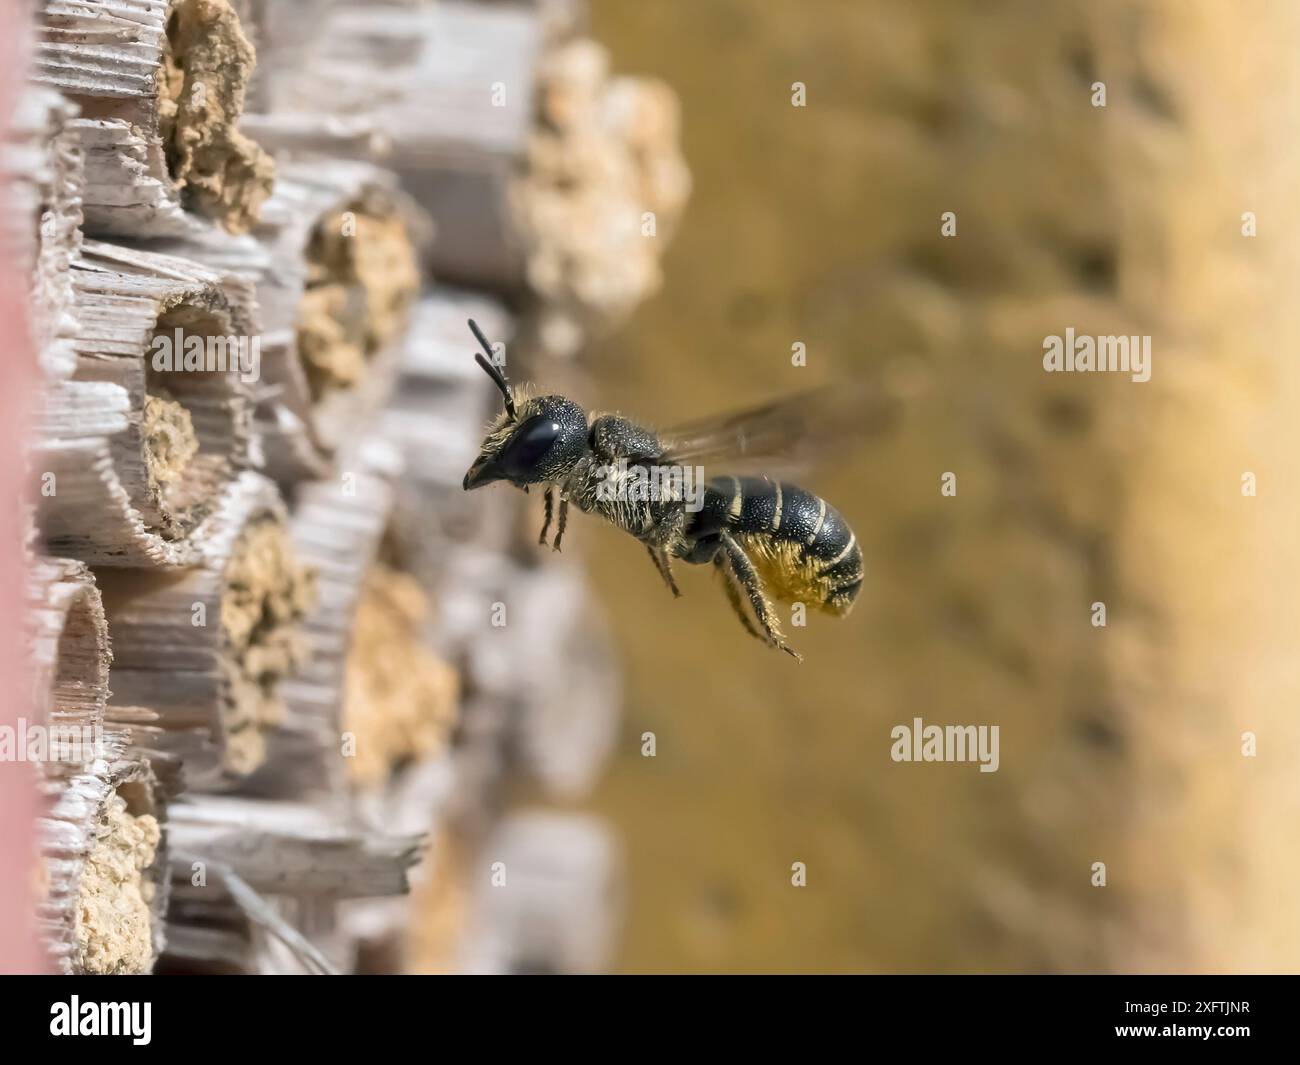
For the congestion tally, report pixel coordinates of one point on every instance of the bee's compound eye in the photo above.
(530, 442)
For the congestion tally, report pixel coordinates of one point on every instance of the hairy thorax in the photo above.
(626, 498)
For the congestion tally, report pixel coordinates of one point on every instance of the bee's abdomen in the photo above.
(801, 545)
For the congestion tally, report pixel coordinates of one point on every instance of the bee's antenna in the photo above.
(491, 369)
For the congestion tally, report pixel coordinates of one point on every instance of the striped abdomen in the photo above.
(801, 546)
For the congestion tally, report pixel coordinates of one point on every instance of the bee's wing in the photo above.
(783, 436)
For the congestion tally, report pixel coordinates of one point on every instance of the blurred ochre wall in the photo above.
(1119, 744)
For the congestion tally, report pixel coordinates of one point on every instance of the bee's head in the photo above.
(533, 440)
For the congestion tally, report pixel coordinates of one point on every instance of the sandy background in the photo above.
(1120, 744)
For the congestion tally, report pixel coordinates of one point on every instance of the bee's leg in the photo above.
(667, 564)
(744, 571)
(732, 585)
(564, 518)
(546, 524)
(660, 558)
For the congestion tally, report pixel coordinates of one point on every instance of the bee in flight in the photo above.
(768, 539)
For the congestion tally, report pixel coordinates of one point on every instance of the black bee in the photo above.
(767, 538)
